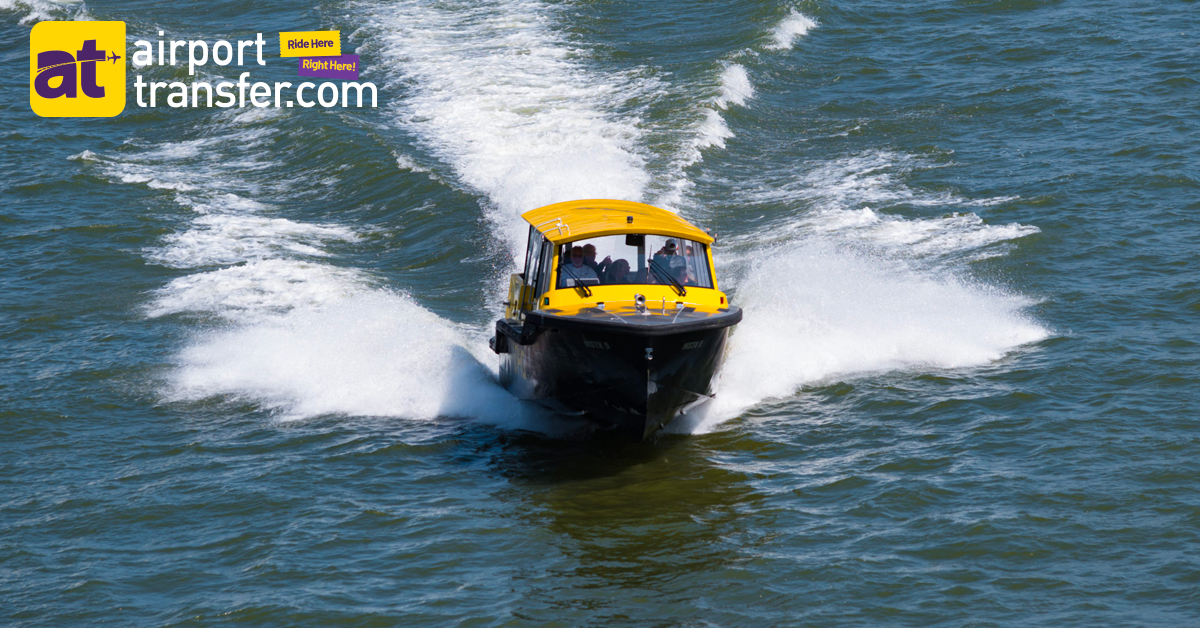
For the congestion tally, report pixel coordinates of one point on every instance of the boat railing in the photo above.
(559, 225)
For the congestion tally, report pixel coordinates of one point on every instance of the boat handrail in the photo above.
(558, 225)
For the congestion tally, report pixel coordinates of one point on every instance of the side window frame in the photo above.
(547, 269)
(702, 259)
(532, 256)
(528, 299)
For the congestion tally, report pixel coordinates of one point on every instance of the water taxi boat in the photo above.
(617, 316)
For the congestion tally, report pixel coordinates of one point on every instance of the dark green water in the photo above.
(243, 357)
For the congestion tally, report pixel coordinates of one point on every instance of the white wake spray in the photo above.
(491, 91)
(373, 353)
(40, 10)
(844, 199)
(736, 89)
(842, 290)
(793, 27)
(816, 311)
(497, 94)
(298, 334)
(817, 308)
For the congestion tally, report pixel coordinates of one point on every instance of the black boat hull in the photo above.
(630, 379)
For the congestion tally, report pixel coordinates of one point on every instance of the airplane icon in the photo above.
(114, 57)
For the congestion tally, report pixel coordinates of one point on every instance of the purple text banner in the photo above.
(341, 67)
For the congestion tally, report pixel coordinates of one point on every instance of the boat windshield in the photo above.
(633, 259)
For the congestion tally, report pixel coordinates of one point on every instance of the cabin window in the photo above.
(533, 257)
(547, 263)
(633, 259)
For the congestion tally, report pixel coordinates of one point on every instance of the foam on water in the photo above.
(371, 353)
(710, 132)
(816, 312)
(834, 290)
(872, 177)
(282, 324)
(735, 86)
(793, 27)
(497, 94)
(222, 239)
(848, 198)
(267, 264)
(951, 233)
(404, 162)
(713, 130)
(85, 155)
(39, 10)
(248, 292)
(838, 289)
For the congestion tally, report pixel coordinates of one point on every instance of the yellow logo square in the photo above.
(77, 69)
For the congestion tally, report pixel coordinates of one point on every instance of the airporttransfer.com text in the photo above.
(259, 94)
(279, 94)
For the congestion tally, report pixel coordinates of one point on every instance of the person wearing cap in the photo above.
(670, 248)
(665, 254)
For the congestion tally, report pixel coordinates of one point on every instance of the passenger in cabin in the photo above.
(692, 262)
(589, 258)
(618, 272)
(668, 249)
(679, 271)
(662, 261)
(576, 270)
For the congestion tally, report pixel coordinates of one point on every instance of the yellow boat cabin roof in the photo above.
(574, 220)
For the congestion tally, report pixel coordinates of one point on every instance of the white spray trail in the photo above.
(842, 290)
(843, 199)
(816, 311)
(495, 93)
(40, 10)
(792, 28)
(736, 89)
(819, 304)
(490, 90)
(373, 353)
(295, 332)
(499, 96)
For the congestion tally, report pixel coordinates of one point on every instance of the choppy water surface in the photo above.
(244, 364)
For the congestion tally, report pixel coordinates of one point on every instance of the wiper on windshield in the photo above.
(587, 292)
(658, 270)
